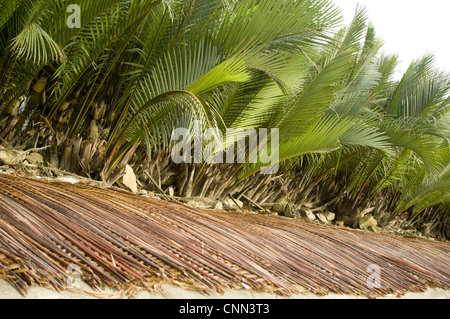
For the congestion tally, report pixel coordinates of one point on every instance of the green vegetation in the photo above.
(110, 93)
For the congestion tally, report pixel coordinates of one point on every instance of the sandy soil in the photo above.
(167, 291)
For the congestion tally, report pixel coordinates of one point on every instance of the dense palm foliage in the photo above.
(111, 92)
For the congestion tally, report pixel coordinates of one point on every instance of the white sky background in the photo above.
(409, 28)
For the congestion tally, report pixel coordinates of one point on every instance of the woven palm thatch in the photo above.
(122, 240)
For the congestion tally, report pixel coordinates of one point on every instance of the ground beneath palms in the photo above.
(131, 243)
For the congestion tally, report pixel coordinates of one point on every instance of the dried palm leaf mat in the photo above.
(120, 240)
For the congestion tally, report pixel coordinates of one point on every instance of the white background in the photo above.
(409, 28)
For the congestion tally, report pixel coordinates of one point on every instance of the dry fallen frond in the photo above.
(122, 240)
